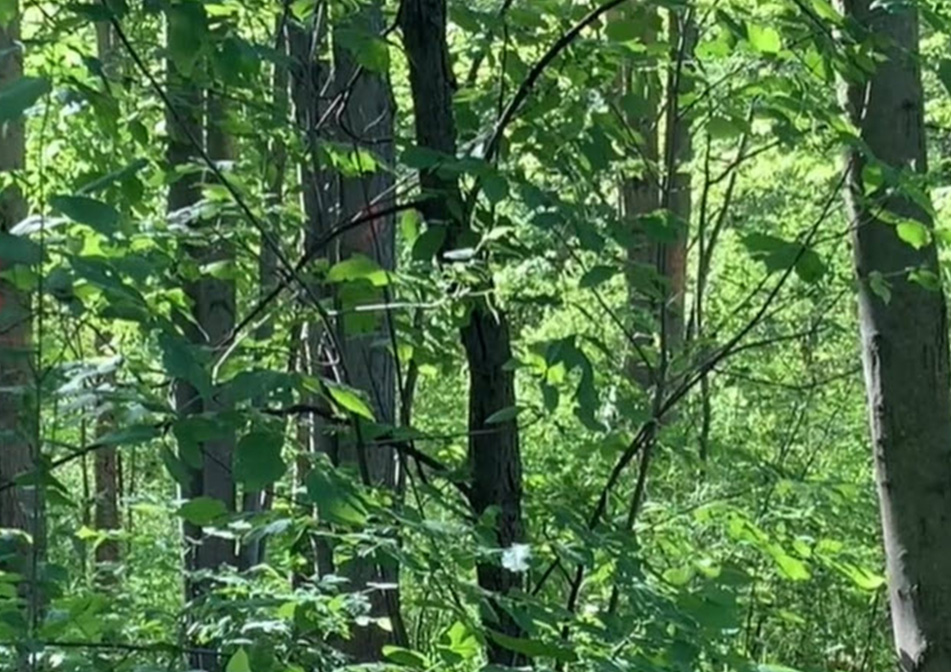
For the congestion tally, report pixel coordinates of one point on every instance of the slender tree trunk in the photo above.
(105, 462)
(366, 124)
(640, 193)
(904, 344)
(21, 505)
(494, 457)
(253, 552)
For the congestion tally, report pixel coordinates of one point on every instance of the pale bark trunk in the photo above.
(904, 348)
(494, 456)
(20, 506)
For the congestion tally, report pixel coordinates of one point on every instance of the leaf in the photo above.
(723, 128)
(17, 97)
(8, 11)
(495, 187)
(792, 568)
(880, 286)
(18, 250)
(944, 73)
(764, 39)
(622, 30)
(129, 435)
(429, 243)
(503, 415)
(336, 498)
(367, 49)
(597, 275)
(533, 648)
(203, 510)
(778, 254)
(406, 657)
(239, 662)
(179, 360)
(258, 460)
(358, 267)
(187, 33)
(914, 233)
(100, 216)
(350, 400)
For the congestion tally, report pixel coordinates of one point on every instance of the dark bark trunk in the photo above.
(21, 507)
(904, 346)
(494, 456)
(366, 123)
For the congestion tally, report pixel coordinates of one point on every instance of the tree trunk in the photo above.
(640, 193)
(105, 462)
(904, 346)
(366, 124)
(494, 457)
(21, 505)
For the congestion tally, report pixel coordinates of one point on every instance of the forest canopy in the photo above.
(475, 335)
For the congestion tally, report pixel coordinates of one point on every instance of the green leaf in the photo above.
(367, 49)
(129, 435)
(721, 128)
(597, 275)
(8, 11)
(258, 460)
(880, 286)
(503, 415)
(179, 359)
(358, 267)
(19, 96)
(406, 657)
(792, 568)
(914, 233)
(239, 662)
(336, 498)
(622, 30)
(203, 510)
(944, 73)
(100, 216)
(429, 243)
(18, 250)
(348, 399)
(764, 39)
(533, 648)
(495, 187)
(187, 34)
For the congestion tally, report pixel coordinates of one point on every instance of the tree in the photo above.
(494, 454)
(21, 505)
(904, 331)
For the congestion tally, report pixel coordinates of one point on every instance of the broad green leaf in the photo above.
(187, 34)
(129, 435)
(429, 243)
(495, 187)
(258, 460)
(406, 657)
(914, 233)
(764, 39)
(203, 510)
(100, 216)
(9, 9)
(597, 275)
(336, 498)
(533, 648)
(239, 662)
(350, 400)
(19, 96)
(880, 286)
(623, 30)
(18, 250)
(358, 267)
(792, 568)
(503, 415)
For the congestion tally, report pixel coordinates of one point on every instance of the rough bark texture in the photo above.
(21, 506)
(105, 462)
(904, 348)
(367, 123)
(641, 192)
(494, 456)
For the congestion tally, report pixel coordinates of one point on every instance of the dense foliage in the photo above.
(695, 490)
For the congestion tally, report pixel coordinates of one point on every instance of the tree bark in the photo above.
(904, 344)
(494, 456)
(366, 124)
(21, 506)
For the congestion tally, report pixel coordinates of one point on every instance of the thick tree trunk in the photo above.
(367, 124)
(904, 347)
(20, 506)
(494, 456)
